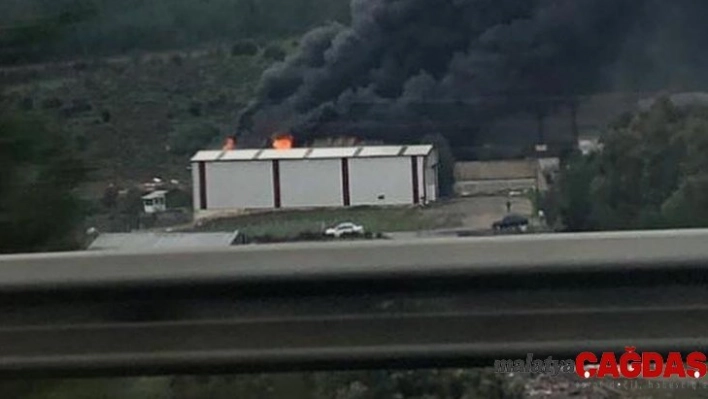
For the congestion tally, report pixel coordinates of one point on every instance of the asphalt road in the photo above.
(447, 302)
(551, 253)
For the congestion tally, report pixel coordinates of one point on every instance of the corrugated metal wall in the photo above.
(302, 183)
(496, 170)
(420, 170)
(196, 186)
(305, 183)
(239, 185)
(381, 181)
(431, 180)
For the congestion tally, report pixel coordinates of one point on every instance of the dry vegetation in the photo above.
(139, 117)
(286, 224)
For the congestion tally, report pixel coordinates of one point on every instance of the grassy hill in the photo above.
(39, 30)
(139, 85)
(139, 117)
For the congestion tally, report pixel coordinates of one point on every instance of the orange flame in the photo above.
(230, 144)
(283, 142)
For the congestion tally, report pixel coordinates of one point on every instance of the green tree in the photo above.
(570, 201)
(446, 163)
(188, 139)
(417, 384)
(130, 207)
(110, 197)
(71, 28)
(651, 173)
(274, 53)
(244, 47)
(39, 172)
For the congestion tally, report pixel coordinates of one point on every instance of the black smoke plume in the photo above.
(405, 68)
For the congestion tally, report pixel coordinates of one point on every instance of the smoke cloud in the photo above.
(405, 68)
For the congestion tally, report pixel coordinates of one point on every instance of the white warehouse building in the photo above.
(314, 177)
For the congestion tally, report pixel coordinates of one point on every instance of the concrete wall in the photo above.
(305, 183)
(390, 177)
(549, 164)
(495, 170)
(493, 187)
(195, 186)
(420, 164)
(239, 185)
(431, 180)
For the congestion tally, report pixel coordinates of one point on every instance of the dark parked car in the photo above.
(511, 222)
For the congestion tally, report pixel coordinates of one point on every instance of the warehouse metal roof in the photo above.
(333, 152)
(417, 150)
(240, 155)
(382, 151)
(152, 240)
(293, 153)
(209, 155)
(155, 194)
(313, 153)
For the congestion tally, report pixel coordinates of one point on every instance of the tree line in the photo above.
(40, 30)
(40, 171)
(650, 173)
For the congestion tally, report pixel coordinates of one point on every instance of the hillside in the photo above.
(38, 30)
(139, 117)
(139, 85)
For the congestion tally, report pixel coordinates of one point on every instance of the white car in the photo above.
(344, 229)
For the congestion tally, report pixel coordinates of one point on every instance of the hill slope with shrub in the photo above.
(37, 30)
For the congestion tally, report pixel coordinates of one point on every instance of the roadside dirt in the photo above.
(479, 213)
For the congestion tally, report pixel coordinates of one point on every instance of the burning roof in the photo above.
(230, 144)
(313, 153)
(456, 66)
(283, 141)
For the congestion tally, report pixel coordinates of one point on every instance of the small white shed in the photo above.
(155, 202)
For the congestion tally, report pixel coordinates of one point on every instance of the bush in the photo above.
(80, 66)
(264, 239)
(274, 52)
(78, 106)
(217, 52)
(218, 101)
(155, 62)
(110, 197)
(309, 236)
(446, 164)
(195, 108)
(186, 140)
(27, 104)
(40, 211)
(244, 47)
(176, 59)
(52, 103)
(82, 142)
(82, 104)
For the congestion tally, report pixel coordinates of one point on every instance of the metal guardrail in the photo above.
(440, 302)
